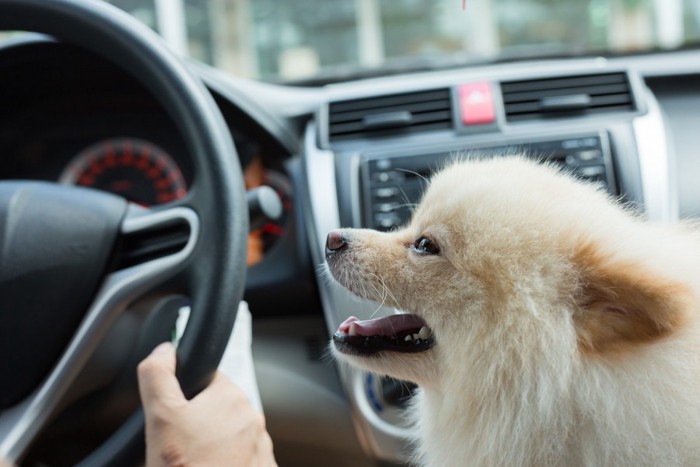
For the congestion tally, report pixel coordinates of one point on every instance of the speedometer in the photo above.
(133, 168)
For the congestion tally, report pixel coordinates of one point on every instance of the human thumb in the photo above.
(157, 381)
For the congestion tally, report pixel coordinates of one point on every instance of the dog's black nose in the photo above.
(335, 242)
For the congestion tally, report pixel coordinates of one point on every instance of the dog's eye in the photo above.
(426, 246)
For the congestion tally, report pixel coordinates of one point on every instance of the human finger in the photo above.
(156, 375)
(266, 451)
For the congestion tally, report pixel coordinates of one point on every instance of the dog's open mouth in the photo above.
(396, 333)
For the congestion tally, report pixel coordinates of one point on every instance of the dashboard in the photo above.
(80, 113)
(84, 121)
(350, 154)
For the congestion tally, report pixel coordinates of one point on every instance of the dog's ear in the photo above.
(620, 304)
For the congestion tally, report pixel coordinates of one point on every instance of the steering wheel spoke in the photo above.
(154, 239)
(154, 246)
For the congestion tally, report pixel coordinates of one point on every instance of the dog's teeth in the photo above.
(408, 338)
(424, 332)
(416, 336)
(353, 331)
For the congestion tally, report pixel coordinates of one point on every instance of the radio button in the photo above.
(386, 220)
(592, 172)
(578, 143)
(385, 207)
(388, 176)
(386, 192)
(590, 155)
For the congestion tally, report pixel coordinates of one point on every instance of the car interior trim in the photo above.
(659, 181)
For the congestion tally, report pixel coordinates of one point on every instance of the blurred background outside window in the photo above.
(297, 39)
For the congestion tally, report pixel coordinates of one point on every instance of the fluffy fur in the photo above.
(566, 326)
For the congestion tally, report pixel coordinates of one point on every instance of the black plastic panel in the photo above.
(392, 184)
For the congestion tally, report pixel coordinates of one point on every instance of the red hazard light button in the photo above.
(476, 103)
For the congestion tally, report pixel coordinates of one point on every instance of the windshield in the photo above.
(300, 39)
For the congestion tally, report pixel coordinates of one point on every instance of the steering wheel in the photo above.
(72, 259)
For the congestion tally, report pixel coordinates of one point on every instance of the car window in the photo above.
(274, 40)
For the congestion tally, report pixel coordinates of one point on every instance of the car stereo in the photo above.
(392, 183)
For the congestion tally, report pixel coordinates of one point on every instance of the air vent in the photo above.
(392, 114)
(567, 96)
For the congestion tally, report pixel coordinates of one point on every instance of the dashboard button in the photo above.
(476, 103)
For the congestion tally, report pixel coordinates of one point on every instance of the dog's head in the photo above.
(503, 258)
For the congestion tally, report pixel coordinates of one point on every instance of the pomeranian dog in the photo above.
(546, 325)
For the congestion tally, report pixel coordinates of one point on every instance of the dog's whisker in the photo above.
(387, 291)
(417, 174)
(383, 294)
(374, 313)
(407, 201)
(412, 206)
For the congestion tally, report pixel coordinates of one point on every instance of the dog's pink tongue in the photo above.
(387, 326)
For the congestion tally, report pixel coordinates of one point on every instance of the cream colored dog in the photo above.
(548, 326)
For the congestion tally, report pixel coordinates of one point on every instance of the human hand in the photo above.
(217, 427)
